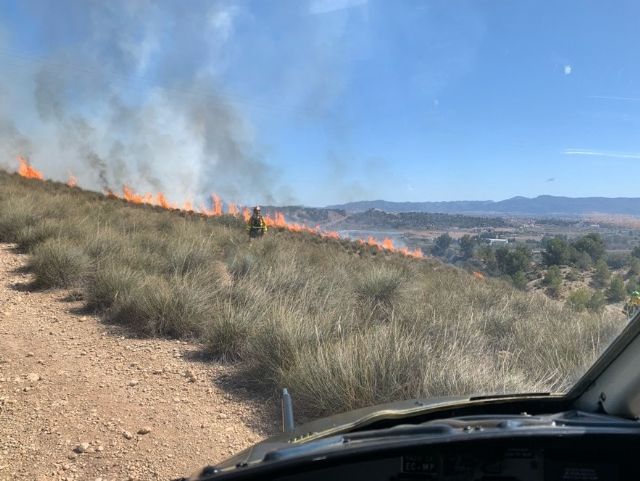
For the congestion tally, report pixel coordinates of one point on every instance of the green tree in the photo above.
(556, 252)
(553, 280)
(601, 275)
(511, 261)
(592, 244)
(441, 244)
(581, 260)
(634, 267)
(616, 291)
(632, 285)
(616, 260)
(636, 252)
(519, 280)
(467, 244)
(488, 257)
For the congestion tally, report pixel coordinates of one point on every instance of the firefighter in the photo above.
(256, 224)
(633, 304)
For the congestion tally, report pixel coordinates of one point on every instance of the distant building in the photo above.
(497, 241)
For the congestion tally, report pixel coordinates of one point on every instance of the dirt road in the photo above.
(81, 400)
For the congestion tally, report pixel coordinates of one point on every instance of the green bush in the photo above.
(378, 290)
(601, 274)
(553, 280)
(58, 263)
(30, 236)
(579, 299)
(616, 291)
(111, 281)
(597, 302)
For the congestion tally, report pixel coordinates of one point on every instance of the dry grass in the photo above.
(340, 326)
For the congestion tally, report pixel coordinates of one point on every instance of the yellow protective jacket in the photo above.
(256, 223)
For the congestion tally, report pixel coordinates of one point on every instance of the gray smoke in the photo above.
(130, 94)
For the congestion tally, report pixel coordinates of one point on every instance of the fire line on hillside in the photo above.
(278, 220)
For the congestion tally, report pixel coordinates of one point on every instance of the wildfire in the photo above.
(26, 170)
(72, 181)
(217, 209)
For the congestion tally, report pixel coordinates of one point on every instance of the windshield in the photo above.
(361, 201)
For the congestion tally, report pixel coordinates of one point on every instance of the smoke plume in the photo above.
(129, 92)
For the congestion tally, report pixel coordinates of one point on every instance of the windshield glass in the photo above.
(361, 201)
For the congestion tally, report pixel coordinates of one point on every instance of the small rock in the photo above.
(29, 354)
(127, 434)
(100, 448)
(133, 382)
(144, 430)
(222, 416)
(81, 448)
(33, 377)
(72, 456)
(158, 371)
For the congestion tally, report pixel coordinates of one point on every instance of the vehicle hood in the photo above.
(409, 411)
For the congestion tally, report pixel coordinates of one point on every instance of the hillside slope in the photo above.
(342, 325)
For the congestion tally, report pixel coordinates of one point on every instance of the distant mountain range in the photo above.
(543, 205)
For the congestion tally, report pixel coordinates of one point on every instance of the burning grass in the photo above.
(341, 325)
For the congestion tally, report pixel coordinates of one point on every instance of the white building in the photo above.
(497, 241)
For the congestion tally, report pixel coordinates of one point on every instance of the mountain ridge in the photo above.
(540, 205)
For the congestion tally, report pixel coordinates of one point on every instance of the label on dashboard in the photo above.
(424, 464)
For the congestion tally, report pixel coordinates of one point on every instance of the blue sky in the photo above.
(332, 100)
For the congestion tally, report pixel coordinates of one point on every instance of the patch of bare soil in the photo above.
(81, 400)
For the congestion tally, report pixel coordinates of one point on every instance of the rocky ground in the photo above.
(82, 400)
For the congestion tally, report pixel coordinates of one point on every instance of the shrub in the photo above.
(597, 302)
(520, 280)
(601, 275)
(378, 289)
(111, 281)
(177, 306)
(17, 214)
(572, 275)
(58, 263)
(616, 291)
(29, 236)
(553, 280)
(579, 299)
(228, 333)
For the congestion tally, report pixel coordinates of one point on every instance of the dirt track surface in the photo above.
(77, 397)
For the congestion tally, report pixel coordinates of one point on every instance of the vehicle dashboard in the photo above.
(567, 459)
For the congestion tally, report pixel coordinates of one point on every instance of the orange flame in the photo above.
(217, 205)
(276, 220)
(27, 171)
(388, 244)
(72, 181)
(162, 201)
